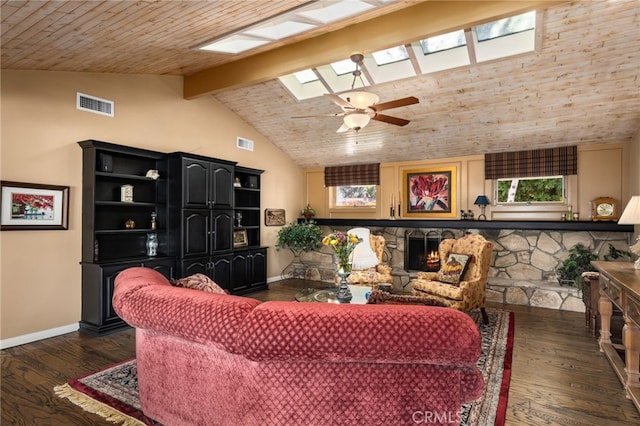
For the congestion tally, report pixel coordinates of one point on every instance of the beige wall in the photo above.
(40, 271)
(603, 170)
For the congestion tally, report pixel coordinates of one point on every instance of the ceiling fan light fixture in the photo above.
(356, 120)
(361, 100)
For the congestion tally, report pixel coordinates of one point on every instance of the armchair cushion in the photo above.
(453, 271)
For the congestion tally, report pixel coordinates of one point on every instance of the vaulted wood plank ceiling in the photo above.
(581, 86)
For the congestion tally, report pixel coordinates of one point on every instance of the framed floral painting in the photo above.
(29, 206)
(430, 192)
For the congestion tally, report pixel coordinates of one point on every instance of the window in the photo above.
(443, 42)
(355, 196)
(548, 189)
(306, 76)
(506, 26)
(389, 56)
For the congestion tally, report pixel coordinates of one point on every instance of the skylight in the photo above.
(443, 42)
(295, 21)
(306, 76)
(506, 26)
(494, 40)
(388, 56)
(346, 66)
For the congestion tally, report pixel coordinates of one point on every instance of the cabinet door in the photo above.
(221, 186)
(195, 176)
(164, 266)
(194, 266)
(109, 274)
(221, 230)
(241, 273)
(196, 228)
(220, 271)
(259, 268)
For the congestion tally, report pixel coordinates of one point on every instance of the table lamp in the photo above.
(631, 216)
(483, 202)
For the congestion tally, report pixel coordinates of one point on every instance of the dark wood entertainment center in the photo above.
(191, 208)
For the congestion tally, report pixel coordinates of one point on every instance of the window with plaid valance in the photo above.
(539, 162)
(356, 174)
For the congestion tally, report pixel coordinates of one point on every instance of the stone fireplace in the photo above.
(421, 249)
(524, 262)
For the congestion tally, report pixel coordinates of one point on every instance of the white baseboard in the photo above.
(274, 279)
(38, 335)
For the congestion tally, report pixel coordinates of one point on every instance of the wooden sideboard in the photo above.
(620, 286)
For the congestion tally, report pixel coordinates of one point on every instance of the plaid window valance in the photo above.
(357, 174)
(539, 162)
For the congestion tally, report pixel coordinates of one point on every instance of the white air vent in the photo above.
(245, 144)
(92, 104)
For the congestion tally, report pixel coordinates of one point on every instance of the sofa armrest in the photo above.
(292, 331)
(145, 299)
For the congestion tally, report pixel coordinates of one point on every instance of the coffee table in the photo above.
(328, 295)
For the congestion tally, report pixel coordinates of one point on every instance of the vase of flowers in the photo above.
(343, 245)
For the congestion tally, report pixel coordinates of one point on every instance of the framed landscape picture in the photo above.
(430, 192)
(274, 217)
(240, 238)
(32, 206)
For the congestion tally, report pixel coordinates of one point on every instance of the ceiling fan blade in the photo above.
(343, 128)
(391, 120)
(395, 103)
(339, 101)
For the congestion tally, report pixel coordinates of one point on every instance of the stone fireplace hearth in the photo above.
(523, 264)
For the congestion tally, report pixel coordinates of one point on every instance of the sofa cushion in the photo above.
(294, 331)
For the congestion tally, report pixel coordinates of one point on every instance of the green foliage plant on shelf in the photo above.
(308, 212)
(571, 269)
(300, 236)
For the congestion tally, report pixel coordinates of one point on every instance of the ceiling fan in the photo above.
(360, 107)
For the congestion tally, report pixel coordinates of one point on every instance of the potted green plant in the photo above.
(300, 236)
(571, 269)
(308, 212)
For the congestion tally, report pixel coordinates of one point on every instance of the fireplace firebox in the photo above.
(421, 250)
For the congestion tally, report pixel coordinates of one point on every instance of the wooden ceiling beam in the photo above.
(400, 27)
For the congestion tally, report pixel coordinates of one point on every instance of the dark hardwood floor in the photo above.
(559, 377)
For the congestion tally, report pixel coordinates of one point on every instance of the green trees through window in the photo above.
(356, 196)
(531, 190)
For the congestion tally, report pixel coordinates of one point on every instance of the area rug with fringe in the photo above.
(112, 393)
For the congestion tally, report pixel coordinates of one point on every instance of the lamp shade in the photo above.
(357, 120)
(482, 200)
(361, 100)
(631, 213)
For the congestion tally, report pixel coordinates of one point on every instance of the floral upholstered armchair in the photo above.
(368, 266)
(462, 287)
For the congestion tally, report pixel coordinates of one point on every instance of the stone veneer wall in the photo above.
(522, 267)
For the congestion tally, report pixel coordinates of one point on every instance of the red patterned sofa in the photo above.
(214, 359)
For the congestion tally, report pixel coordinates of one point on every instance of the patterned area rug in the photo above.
(112, 393)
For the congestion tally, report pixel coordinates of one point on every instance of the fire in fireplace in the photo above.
(421, 250)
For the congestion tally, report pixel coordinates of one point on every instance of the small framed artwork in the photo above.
(430, 193)
(32, 206)
(274, 217)
(240, 238)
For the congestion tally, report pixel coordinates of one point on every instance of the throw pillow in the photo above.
(199, 282)
(453, 271)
